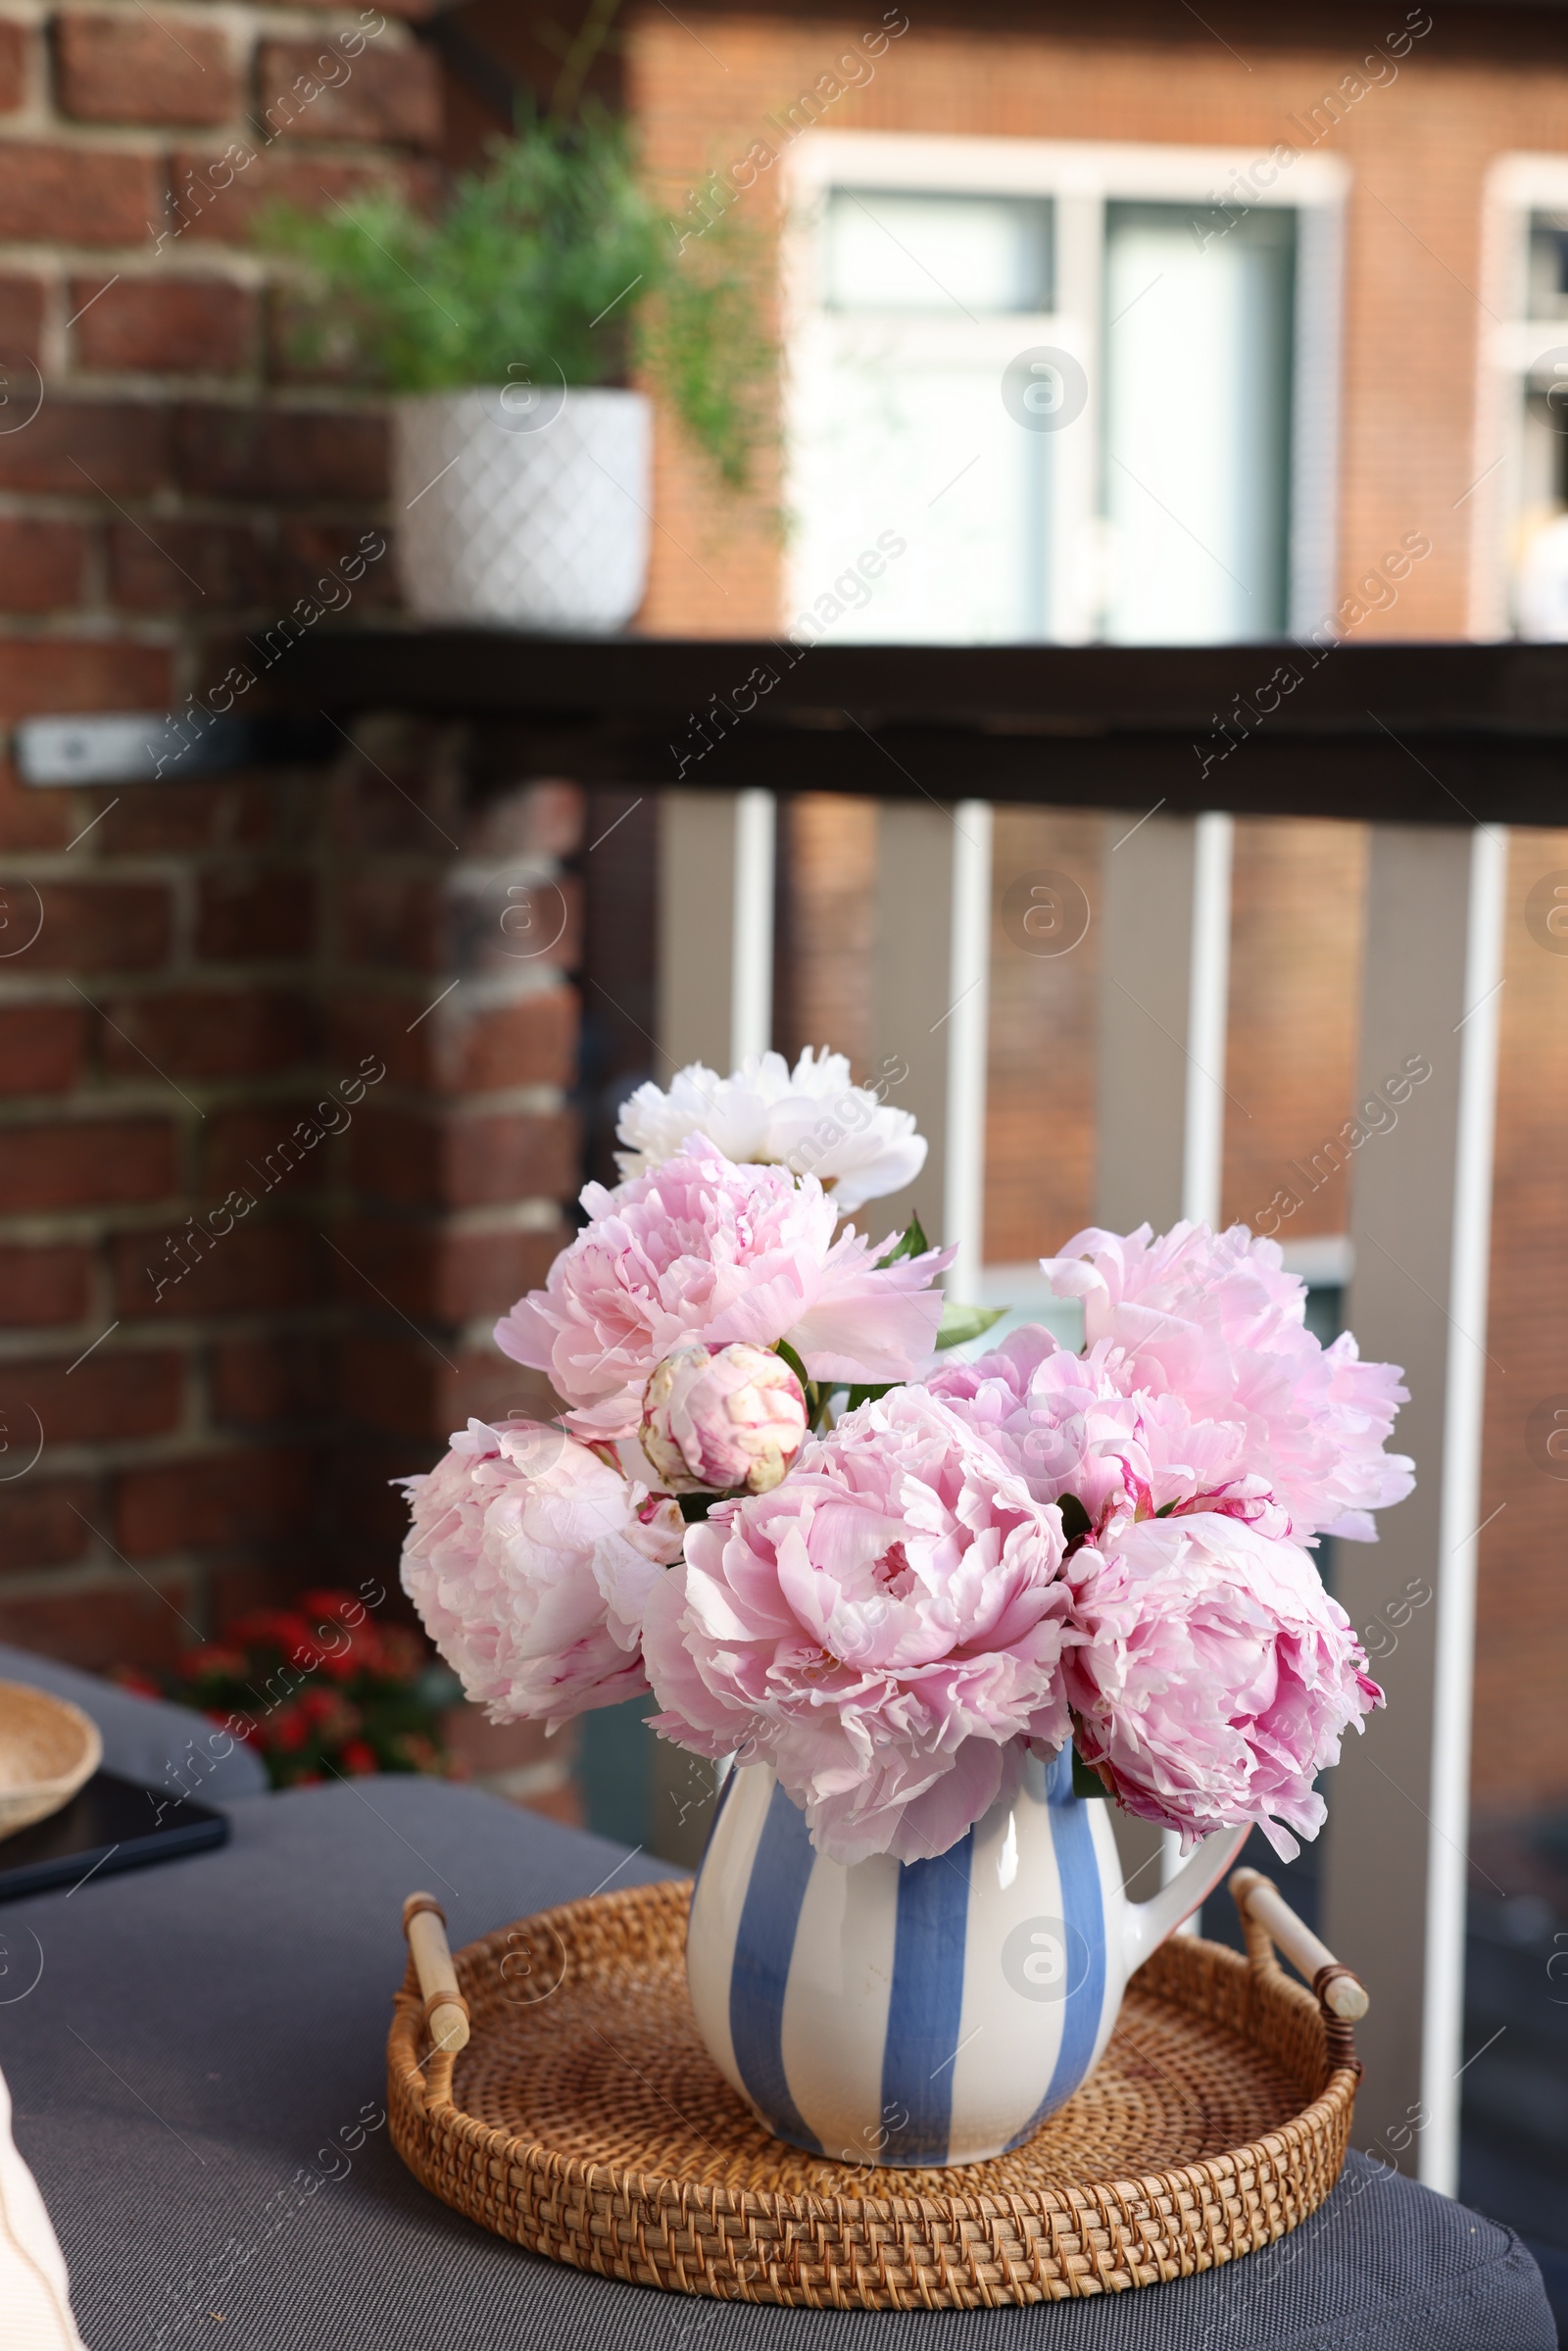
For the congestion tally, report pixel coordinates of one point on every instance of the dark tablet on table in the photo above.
(111, 1824)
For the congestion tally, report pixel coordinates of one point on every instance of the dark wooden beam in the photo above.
(1399, 732)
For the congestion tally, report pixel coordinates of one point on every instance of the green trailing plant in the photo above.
(552, 265)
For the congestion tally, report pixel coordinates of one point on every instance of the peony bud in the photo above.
(732, 1418)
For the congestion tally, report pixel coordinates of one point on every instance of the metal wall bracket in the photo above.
(143, 747)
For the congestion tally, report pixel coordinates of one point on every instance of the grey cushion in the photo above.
(205, 2033)
(145, 1739)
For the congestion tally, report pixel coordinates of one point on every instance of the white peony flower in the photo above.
(812, 1119)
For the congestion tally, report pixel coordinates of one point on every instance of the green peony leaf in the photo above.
(911, 1243)
(959, 1323)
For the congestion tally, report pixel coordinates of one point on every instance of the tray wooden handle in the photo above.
(446, 2011)
(1267, 1918)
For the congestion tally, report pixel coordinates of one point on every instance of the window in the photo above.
(1197, 425)
(1543, 481)
(1043, 392)
(1519, 569)
(924, 300)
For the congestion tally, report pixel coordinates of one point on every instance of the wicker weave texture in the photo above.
(586, 2121)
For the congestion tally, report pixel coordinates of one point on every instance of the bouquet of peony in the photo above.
(770, 1502)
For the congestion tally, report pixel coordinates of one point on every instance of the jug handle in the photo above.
(1146, 1925)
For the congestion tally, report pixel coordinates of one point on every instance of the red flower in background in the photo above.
(319, 1689)
(214, 1662)
(131, 1678)
(341, 1664)
(402, 1653)
(270, 1627)
(338, 1607)
(290, 1729)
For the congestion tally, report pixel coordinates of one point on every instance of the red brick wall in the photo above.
(218, 960)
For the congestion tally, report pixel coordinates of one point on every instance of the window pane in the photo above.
(923, 455)
(1197, 424)
(937, 253)
(1548, 265)
(1542, 457)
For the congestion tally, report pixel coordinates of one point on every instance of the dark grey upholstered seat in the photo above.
(207, 2040)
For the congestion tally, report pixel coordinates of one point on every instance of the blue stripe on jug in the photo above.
(764, 1945)
(1079, 1877)
(922, 2044)
(923, 2033)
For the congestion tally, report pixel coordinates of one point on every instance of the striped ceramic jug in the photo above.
(928, 2012)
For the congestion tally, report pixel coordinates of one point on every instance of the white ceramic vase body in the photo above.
(523, 505)
(927, 2013)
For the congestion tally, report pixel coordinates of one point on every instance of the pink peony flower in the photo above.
(1210, 1675)
(1213, 1319)
(885, 1629)
(706, 1250)
(734, 1418)
(529, 1561)
(1064, 1423)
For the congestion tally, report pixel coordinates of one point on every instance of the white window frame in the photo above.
(1082, 177)
(1507, 347)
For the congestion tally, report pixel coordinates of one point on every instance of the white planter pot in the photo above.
(523, 505)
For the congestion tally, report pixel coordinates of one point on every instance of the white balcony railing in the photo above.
(1394, 1862)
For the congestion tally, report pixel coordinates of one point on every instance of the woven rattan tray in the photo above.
(586, 2121)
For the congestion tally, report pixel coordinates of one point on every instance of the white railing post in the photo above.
(715, 1005)
(968, 1029)
(1145, 952)
(913, 957)
(751, 1020)
(933, 927)
(696, 929)
(1395, 1858)
(1164, 921)
(1464, 1404)
(913, 995)
(1207, 1011)
(716, 927)
(1164, 973)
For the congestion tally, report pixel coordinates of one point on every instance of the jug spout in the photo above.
(1146, 1925)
